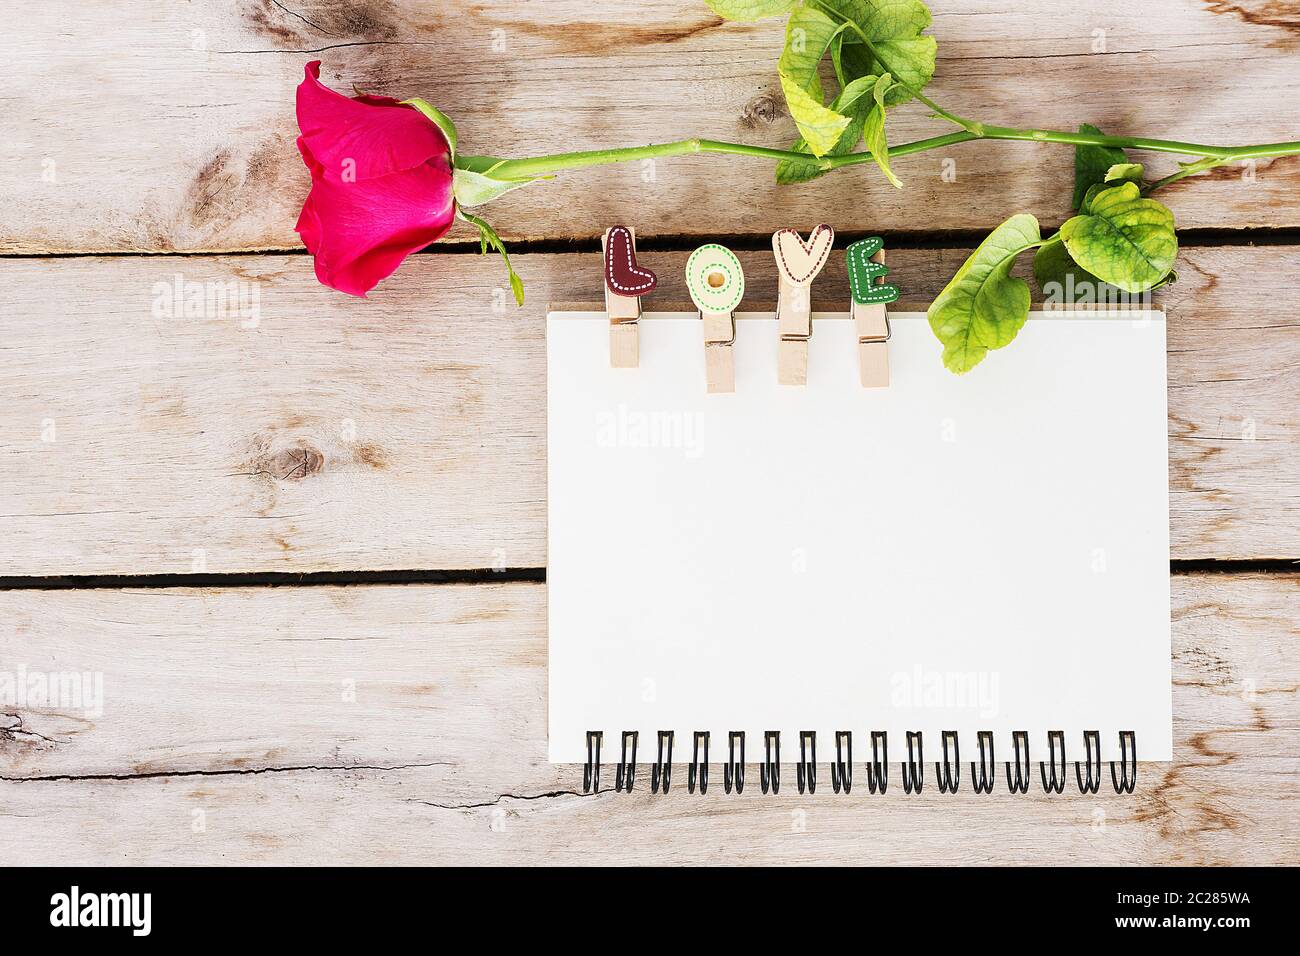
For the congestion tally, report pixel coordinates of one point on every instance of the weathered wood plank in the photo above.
(408, 431)
(242, 747)
(148, 126)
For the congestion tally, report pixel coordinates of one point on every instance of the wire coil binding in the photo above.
(591, 772)
(914, 769)
(769, 771)
(1128, 757)
(1092, 756)
(878, 769)
(699, 768)
(1055, 738)
(626, 771)
(842, 768)
(734, 771)
(806, 771)
(949, 776)
(1053, 772)
(983, 778)
(662, 769)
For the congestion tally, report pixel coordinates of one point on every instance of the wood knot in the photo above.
(762, 110)
(294, 464)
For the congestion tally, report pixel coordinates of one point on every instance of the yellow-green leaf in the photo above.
(884, 19)
(893, 27)
(1123, 239)
(747, 10)
(808, 34)
(854, 102)
(1062, 280)
(983, 307)
(873, 129)
(1125, 173)
(820, 127)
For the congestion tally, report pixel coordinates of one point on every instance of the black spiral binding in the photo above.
(769, 772)
(1128, 757)
(914, 769)
(987, 774)
(662, 769)
(1055, 738)
(699, 768)
(626, 770)
(806, 771)
(591, 772)
(949, 776)
(878, 769)
(1024, 769)
(1053, 772)
(842, 768)
(734, 771)
(1092, 755)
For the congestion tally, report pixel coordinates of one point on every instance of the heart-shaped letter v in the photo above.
(622, 275)
(799, 261)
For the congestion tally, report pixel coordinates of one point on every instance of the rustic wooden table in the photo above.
(263, 535)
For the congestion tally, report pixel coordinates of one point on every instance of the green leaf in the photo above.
(857, 92)
(1123, 239)
(1062, 280)
(1091, 163)
(1125, 173)
(855, 102)
(488, 238)
(439, 119)
(837, 61)
(820, 127)
(984, 306)
(808, 34)
(1090, 195)
(893, 27)
(873, 129)
(745, 11)
(476, 189)
(883, 19)
(911, 62)
(789, 171)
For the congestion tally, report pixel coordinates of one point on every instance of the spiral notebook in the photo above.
(964, 559)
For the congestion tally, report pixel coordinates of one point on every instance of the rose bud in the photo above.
(381, 183)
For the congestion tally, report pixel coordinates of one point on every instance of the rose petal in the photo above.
(317, 171)
(308, 226)
(356, 140)
(364, 230)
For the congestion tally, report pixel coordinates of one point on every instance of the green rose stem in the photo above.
(1119, 240)
(1212, 156)
(521, 169)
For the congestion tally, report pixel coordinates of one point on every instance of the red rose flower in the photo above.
(381, 184)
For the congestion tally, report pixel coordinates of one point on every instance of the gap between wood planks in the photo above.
(252, 579)
(740, 242)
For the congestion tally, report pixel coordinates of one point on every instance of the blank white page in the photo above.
(978, 552)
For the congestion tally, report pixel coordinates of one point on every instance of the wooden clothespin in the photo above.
(716, 283)
(625, 283)
(867, 269)
(797, 264)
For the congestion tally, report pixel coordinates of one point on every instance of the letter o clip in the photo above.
(716, 283)
(715, 279)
